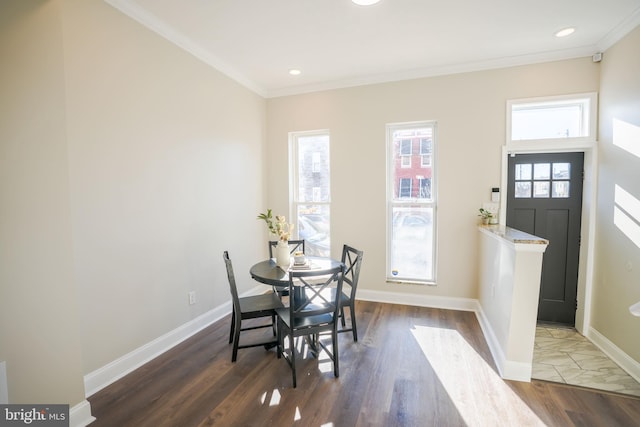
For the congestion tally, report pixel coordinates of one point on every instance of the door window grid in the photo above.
(548, 180)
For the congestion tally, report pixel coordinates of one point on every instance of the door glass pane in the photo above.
(412, 242)
(523, 171)
(541, 189)
(542, 171)
(523, 190)
(560, 189)
(313, 228)
(561, 170)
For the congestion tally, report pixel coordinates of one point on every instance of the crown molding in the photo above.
(621, 30)
(152, 22)
(468, 67)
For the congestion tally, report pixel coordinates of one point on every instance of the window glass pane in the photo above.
(523, 171)
(523, 190)
(411, 201)
(541, 189)
(313, 227)
(406, 173)
(313, 168)
(561, 170)
(311, 192)
(541, 171)
(412, 242)
(549, 120)
(560, 189)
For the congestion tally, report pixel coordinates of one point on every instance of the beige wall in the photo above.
(166, 165)
(470, 114)
(127, 167)
(39, 322)
(617, 278)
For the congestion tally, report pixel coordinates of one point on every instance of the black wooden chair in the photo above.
(294, 246)
(310, 313)
(352, 259)
(251, 307)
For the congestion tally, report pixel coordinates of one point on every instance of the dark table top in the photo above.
(269, 273)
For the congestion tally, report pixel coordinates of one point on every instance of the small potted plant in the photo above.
(485, 215)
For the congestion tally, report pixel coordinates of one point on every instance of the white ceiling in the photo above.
(336, 43)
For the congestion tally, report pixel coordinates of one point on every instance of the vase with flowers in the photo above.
(279, 227)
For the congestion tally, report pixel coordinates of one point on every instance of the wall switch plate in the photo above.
(192, 297)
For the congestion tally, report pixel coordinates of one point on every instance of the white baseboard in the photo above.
(80, 415)
(433, 301)
(102, 377)
(108, 374)
(492, 340)
(631, 366)
(507, 369)
(517, 371)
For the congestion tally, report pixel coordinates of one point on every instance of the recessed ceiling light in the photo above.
(565, 32)
(294, 72)
(365, 2)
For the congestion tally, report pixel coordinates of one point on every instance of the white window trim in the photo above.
(390, 128)
(575, 143)
(294, 202)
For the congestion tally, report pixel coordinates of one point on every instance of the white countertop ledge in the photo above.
(520, 239)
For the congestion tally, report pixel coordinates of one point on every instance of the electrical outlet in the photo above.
(192, 297)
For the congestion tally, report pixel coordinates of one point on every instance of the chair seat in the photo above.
(331, 293)
(259, 303)
(304, 322)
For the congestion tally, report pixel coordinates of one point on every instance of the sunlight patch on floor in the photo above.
(453, 359)
(275, 397)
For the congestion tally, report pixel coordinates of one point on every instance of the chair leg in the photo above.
(236, 338)
(336, 366)
(279, 339)
(293, 358)
(344, 324)
(233, 324)
(354, 328)
(273, 324)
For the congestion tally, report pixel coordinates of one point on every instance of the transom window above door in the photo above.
(547, 122)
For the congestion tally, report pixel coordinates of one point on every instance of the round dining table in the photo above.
(269, 273)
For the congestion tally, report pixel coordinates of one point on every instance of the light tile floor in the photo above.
(563, 355)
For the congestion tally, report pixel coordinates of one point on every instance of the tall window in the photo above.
(311, 190)
(411, 202)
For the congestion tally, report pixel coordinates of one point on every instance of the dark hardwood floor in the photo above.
(413, 366)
